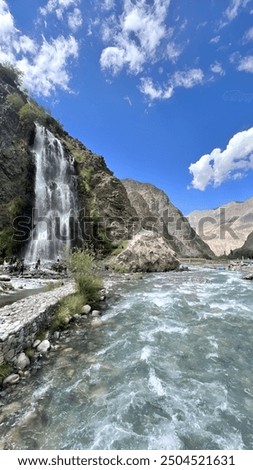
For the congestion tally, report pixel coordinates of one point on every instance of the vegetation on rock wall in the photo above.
(82, 266)
(10, 74)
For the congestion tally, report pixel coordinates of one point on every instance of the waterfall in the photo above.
(55, 200)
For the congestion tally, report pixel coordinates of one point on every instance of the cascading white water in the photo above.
(55, 204)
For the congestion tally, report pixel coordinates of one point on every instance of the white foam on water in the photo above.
(39, 392)
(146, 353)
(163, 328)
(164, 438)
(155, 384)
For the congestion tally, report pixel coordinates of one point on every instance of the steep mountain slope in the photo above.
(109, 210)
(225, 228)
(246, 251)
(157, 212)
(106, 214)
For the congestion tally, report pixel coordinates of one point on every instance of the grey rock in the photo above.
(36, 343)
(76, 316)
(95, 313)
(147, 252)
(11, 379)
(10, 355)
(86, 309)
(96, 322)
(57, 335)
(22, 361)
(44, 346)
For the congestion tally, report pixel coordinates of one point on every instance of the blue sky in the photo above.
(163, 89)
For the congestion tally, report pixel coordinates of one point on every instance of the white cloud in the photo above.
(234, 8)
(48, 68)
(108, 4)
(219, 166)
(246, 64)
(174, 51)
(58, 6)
(248, 36)
(188, 79)
(7, 27)
(215, 40)
(61, 8)
(216, 67)
(134, 36)
(185, 79)
(75, 19)
(45, 64)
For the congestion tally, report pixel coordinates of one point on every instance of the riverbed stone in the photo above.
(86, 309)
(57, 335)
(9, 355)
(96, 322)
(95, 313)
(44, 346)
(22, 361)
(12, 379)
(36, 343)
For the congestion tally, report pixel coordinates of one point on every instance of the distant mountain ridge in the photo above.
(225, 228)
(155, 211)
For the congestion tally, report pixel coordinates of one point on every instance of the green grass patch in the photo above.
(121, 246)
(5, 370)
(41, 335)
(67, 308)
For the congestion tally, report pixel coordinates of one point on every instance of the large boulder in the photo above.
(23, 361)
(146, 252)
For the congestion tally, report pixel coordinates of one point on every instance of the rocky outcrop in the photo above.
(146, 252)
(246, 251)
(225, 228)
(157, 213)
(106, 214)
(16, 166)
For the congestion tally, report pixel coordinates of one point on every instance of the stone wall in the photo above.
(21, 321)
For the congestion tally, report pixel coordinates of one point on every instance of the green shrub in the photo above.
(5, 370)
(31, 113)
(10, 74)
(15, 207)
(42, 334)
(15, 100)
(29, 352)
(81, 264)
(67, 308)
(7, 243)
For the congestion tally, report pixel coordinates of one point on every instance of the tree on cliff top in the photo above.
(10, 74)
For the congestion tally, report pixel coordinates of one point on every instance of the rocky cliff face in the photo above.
(106, 214)
(246, 251)
(16, 165)
(156, 212)
(225, 228)
(110, 210)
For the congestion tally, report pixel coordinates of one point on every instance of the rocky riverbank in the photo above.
(21, 322)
